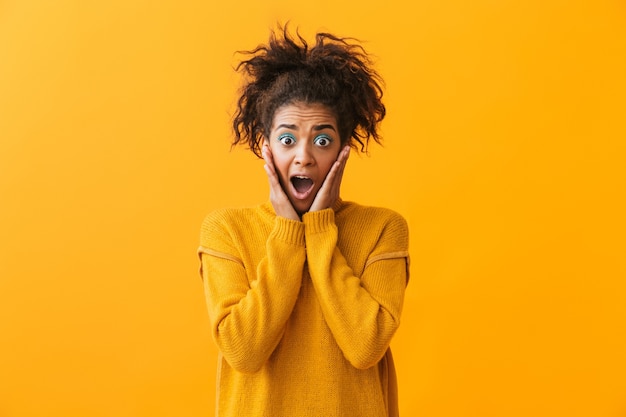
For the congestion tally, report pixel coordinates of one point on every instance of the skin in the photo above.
(304, 141)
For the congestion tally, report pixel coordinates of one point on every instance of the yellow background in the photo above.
(504, 150)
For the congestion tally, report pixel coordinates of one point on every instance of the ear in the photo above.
(262, 143)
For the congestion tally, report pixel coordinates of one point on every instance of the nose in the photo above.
(304, 155)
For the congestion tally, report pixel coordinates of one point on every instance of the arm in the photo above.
(363, 313)
(248, 320)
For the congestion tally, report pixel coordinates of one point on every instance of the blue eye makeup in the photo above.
(323, 140)
(287, 139)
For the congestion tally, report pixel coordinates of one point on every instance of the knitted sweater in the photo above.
(303, 312)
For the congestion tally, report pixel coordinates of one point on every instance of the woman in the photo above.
(305, 291)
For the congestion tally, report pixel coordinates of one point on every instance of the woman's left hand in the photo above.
(329, 192)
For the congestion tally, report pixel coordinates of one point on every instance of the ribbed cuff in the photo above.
(289, 231)
(319, 221)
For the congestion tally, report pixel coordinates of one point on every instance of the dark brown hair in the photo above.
(335, 72)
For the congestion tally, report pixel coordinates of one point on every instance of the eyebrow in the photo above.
(316, 127)
(322, 127)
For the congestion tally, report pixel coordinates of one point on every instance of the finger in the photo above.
(276, 187)
(278, 197)
(269, 166)
(270, 169)
(264, 152)
(341, 162)
(329, 189)
(343, 159)
(345, 153)
(334, 175)
(271, 175)
(336, 184)
(331, 177)
(337, 175)
(274, 181)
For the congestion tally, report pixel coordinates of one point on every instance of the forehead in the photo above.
(304, 115)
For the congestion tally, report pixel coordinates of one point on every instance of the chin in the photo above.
(302, 212)
(301, 209)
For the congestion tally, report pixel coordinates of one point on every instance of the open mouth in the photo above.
(302, 185)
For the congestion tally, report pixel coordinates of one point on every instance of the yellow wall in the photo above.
(504, 150)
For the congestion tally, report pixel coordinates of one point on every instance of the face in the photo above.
(305, 143)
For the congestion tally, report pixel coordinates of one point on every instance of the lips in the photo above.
(302, 186)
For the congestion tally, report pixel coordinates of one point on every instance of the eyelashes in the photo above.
(289, 139)
(323, 140)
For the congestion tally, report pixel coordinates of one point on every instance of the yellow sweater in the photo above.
(303, 312)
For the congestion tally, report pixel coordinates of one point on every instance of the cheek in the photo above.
(327, 164)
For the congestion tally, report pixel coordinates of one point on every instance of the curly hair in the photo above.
(335, 72)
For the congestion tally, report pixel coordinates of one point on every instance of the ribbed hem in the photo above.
(319, 221)
(287, 230)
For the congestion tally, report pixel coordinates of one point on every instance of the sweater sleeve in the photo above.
(248, 309)
(363, 312)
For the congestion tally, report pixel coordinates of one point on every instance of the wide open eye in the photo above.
(323, 140)
(287, 139)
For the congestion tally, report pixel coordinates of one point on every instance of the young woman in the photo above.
(305, 291)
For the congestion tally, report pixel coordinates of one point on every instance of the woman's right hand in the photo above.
(280, 201)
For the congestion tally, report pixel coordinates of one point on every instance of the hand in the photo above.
(329, 193)
(278, 198)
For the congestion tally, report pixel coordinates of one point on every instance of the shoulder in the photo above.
(223, 215)
(371, 215)
(231, 220)
(383, 226)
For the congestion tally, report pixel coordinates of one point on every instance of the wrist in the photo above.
(319, 221)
